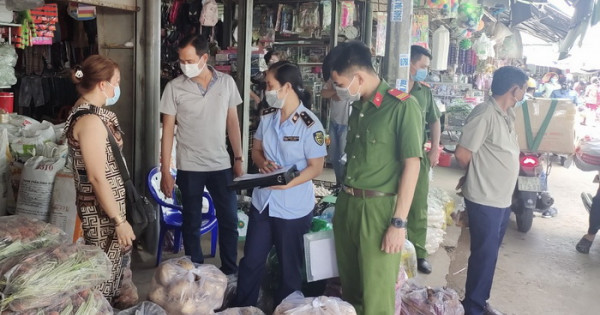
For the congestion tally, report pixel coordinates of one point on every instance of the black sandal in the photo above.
(584, 246)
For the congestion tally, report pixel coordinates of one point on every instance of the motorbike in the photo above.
(531, 192)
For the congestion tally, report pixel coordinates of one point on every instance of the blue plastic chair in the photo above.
(171, 217)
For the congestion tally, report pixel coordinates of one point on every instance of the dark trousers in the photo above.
(192, 185)
(288, 238)
(487, 226)
(595, 215)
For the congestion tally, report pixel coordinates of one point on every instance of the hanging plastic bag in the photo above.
(210, 13)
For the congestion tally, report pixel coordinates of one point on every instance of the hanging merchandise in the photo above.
(326, 18)
(210, 13)
(469, 14)
(381, 32)
(45, 19)
(465, 44)
(453, 54)
(286, 19)
(348, 13)
(81, 12)
(420, 30)
(309, 20)
(440, 47)
(484, 48)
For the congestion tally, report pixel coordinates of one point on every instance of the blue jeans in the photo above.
(487, 226)
(595, 215)
(337, 136)
(192, 185)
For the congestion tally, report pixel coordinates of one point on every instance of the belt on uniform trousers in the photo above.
(365, 192)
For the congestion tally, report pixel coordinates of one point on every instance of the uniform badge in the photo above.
(319, 137)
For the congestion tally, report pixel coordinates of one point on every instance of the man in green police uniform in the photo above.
(384, 148)
(416, 230)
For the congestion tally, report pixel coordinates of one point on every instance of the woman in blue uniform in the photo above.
(288, 134)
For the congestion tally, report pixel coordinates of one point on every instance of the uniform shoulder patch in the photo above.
(399, 94)
(307, 119)
(319, 137)
(269, 110)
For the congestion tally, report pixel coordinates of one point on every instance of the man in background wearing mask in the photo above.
(564, 92)
(203, 102)
(416, 230)
(384, 147)
(489, 150)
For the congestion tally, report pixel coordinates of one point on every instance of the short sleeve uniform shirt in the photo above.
(382, 133)
(292, 142)
(429, 110)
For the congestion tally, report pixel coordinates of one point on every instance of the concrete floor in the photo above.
(537, 273)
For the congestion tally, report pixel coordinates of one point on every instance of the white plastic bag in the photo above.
(184, 288)
(144, 308)
(35, 189)
(63, 212)
(242, 311)
(296, 304)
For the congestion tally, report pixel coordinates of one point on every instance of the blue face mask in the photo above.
(521, 102)
(113, 100)
(421, 75)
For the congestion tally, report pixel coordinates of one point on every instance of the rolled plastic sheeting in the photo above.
(440, 49)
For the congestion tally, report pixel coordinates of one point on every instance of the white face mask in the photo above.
(344, 93)
(191, 70)
(273, 100)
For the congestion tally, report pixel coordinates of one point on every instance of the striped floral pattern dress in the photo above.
(98, 229)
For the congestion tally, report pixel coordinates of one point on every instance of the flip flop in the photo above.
(584, 246)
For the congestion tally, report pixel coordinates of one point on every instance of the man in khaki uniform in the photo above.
(384, 148)
(489, 150)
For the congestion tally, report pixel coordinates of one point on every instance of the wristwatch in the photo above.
(398, 223)
(238, 158)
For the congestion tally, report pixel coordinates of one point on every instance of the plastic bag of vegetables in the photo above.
(182, 287)
(83, 303)
(242, 311)
(145, 308)
(47, 276)
(19, 234)
(296, 304)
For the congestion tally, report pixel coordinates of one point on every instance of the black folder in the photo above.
(281, 177)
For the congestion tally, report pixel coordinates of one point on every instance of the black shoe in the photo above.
(491, 311)
(423, 266)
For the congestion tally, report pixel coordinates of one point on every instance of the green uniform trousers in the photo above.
(416, 231)
(368, 274)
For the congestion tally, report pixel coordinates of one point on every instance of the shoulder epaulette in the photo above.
(425, 84)
(307, 119)
(399, 94)
(269, 110)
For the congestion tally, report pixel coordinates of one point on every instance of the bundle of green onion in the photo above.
(19, 234)
(47, 276)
